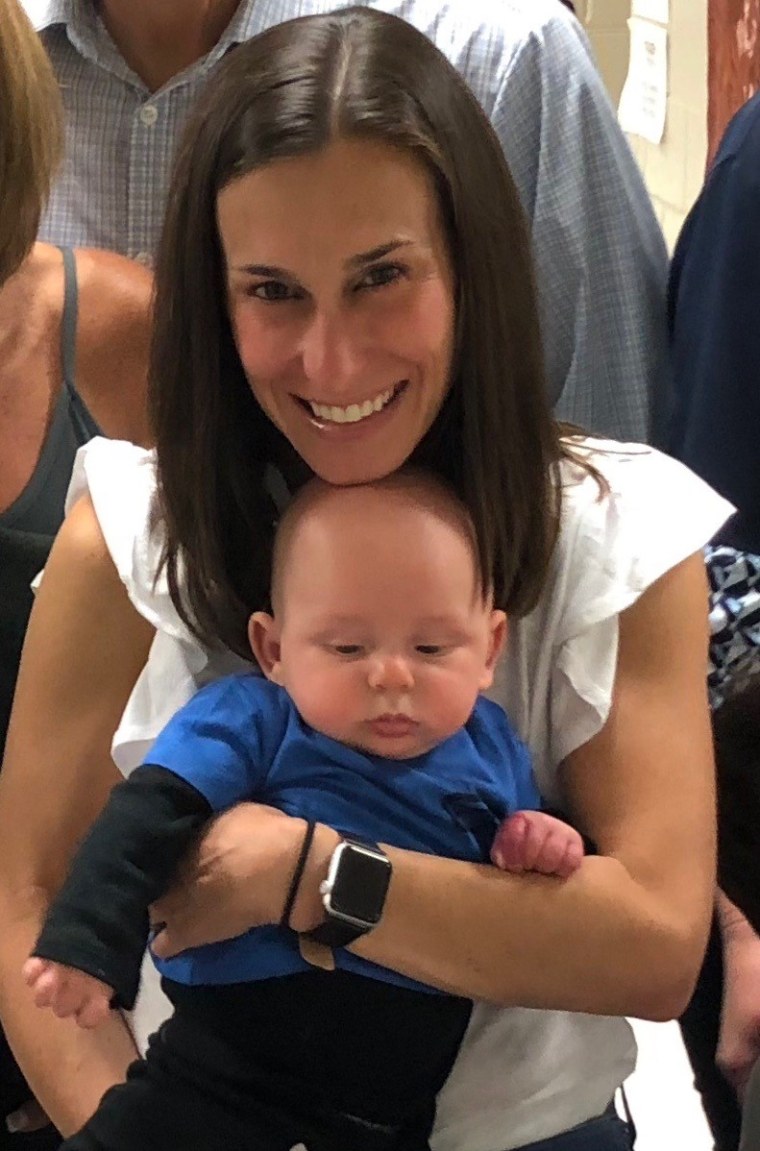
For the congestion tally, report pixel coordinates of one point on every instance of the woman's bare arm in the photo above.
(84, 650)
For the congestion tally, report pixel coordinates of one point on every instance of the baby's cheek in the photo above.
(450, 705)
(327, 706)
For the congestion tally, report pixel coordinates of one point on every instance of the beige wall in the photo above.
(673, 170)
(606, 22)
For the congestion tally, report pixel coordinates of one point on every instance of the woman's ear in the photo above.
(264, 638)
(496, 642)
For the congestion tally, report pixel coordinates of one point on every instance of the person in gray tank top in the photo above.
(74, 330)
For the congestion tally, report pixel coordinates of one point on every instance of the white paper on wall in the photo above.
(643, 104)
(657, 10)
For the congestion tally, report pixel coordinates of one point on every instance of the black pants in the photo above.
(330, 1060)
(13, 1092)
(700, 1027)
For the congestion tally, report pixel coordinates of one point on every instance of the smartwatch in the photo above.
(353, 894)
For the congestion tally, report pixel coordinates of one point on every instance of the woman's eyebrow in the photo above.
(272, 271)
(377, 253)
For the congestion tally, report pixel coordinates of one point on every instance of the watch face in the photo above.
(360, 885)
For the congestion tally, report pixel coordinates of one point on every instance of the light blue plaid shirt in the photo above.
(600, 258)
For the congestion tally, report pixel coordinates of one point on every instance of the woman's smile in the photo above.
(353, 413)
(335, 419)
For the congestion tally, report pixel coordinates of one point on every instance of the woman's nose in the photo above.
(391, 673)
(330, 355)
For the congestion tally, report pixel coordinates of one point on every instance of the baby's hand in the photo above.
(68, 991)
(536, 841)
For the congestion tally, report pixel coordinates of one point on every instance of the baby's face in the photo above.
(384, 638)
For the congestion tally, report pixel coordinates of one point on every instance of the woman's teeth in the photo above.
(354, 412)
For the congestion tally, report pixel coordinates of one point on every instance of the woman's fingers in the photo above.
(236, 878)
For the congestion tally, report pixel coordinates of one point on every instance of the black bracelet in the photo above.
(295, 882)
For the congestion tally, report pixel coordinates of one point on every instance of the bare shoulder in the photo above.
(127, 281)
(80, 577)
(83, 606)
(81, 541)
(113, 341)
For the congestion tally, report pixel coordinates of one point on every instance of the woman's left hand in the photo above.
(236, 878)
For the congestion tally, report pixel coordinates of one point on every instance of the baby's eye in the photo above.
(430, 648)
(347, 648)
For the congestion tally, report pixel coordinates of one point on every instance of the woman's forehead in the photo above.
(354, 193)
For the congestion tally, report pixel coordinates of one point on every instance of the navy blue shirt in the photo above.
(714, 318)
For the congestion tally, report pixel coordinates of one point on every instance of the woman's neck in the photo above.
(160, 40)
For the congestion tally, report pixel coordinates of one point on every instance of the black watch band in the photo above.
(353, 894)
(336, 933)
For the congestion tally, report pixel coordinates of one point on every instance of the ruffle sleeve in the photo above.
(121, 482)
(558, 677)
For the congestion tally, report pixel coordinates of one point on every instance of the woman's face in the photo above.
(341, 297)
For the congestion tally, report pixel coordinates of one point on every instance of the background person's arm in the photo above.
(739, 1038)
(85, 648)
(713, 304)
(601, 262)
(736, 724)
(623, 936)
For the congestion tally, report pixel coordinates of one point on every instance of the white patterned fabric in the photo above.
(600, 259)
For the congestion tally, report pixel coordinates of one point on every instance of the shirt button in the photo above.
(149, 115)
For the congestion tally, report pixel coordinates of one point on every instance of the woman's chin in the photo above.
(345, 468)
(348, 476)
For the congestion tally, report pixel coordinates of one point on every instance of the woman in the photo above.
(344, 284)
(73, 334)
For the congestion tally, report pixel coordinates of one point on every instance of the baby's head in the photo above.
(381, 631)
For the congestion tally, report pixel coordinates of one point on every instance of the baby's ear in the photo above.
(264, 638)
(497, 640)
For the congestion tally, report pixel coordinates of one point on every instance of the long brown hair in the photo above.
(30, 134)
(288, 92)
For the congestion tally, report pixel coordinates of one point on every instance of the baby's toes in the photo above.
(94, 1011)
(47, 987)
(33, 969)
(69, 998)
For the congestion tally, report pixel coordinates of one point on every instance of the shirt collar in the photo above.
(240, 28)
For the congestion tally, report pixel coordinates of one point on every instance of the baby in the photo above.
(369, 718)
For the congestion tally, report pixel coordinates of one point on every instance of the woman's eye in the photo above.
(272, 291)
(381, 275)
